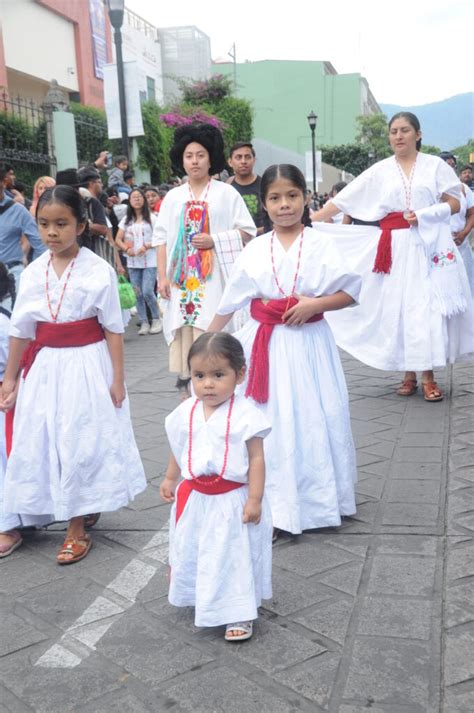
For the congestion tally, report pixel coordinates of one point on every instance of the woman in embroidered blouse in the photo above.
(415, 311)
(199, 232)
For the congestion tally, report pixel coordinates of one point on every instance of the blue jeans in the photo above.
(143, 280)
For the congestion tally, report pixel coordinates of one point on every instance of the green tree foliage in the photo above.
(155, 145)
(25, 147)
(214, 97)
(428, 148)
(372, 134)
(353, 158)
(463, 152)
(208, 91)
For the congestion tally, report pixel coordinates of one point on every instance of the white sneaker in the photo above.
(144, 329)
(133, 311)
(156, 326)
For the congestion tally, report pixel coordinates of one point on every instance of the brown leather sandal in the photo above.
(74, 549)
(431, 391)
(407, 388)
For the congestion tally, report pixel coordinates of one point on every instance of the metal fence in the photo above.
(26, 138)
(91, 137)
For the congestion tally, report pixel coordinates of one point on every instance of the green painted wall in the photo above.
(283, 93)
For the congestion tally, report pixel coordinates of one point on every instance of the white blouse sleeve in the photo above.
(360, 198)
(239, 289)
(257, 425)
(333, 273)
(161, 226)
(242, 218)
(447, 181)
(22, 325)
(175, 430)
(109, 312)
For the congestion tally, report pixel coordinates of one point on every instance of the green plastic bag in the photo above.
(128, 298)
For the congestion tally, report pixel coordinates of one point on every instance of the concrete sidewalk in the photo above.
(378, 615)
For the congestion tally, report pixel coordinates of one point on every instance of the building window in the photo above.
(143, 97)
(150, 86)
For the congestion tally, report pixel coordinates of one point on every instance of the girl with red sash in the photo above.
(291, 277)
(415, 311)
(73, 449)
(220, 527)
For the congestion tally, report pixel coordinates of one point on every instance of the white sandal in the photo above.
(246, 627)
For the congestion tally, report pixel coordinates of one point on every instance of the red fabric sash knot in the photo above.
(202, 485)
(383, 258)
(61, 334)
(269, 315)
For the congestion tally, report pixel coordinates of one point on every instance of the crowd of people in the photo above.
(258, 286)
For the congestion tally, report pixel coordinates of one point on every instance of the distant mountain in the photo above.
(446, 124)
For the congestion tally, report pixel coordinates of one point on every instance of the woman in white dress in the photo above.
(73, 450)
(220, 527)
(415, 310)
(199, 231)
(463, 222)
(290, 277)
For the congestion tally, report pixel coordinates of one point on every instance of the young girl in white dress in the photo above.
(221, 529)
(73, 449)
(415, 310)
(290, 277)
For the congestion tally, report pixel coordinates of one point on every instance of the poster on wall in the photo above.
(132, 100)
(99, 42)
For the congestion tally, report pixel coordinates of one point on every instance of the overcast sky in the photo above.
(411, 53)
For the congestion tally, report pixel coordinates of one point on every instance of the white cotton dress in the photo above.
(309, 455)
(458, 222)
(73, 452)
(219, 565)
(398, 324)
(10, 521)
(227, 211)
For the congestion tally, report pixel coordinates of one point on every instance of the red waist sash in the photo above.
(206, 484)
(61, 334)
(383, 258)
(268, 315)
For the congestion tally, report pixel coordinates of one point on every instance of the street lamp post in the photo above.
(312, 120)
(116, 10)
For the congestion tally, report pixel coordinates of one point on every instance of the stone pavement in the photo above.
(378, 615)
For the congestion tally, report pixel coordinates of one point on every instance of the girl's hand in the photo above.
(120, 269)
(411, 218)
(252, 511)
(167, 490)
(164, 288)
(117, 392)
(300, 313)
(202, 241)
(131, 252)
(142, 250)
(459, 237)
(9, 394)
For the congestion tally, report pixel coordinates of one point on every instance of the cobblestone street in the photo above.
(377, 615)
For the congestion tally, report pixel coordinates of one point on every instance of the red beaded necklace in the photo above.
(226, 451)
(297, 266)
(54, 315)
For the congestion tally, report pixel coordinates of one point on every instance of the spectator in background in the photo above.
(9, 185)
(242, 161)
(116, 174)
(129, 178)
(15, 221)
(465, 174)
(339, 217)
(41, 184)
(153, 199)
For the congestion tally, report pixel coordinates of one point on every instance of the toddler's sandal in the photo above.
(244, 627)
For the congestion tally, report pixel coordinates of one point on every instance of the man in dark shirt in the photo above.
(245, 181)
